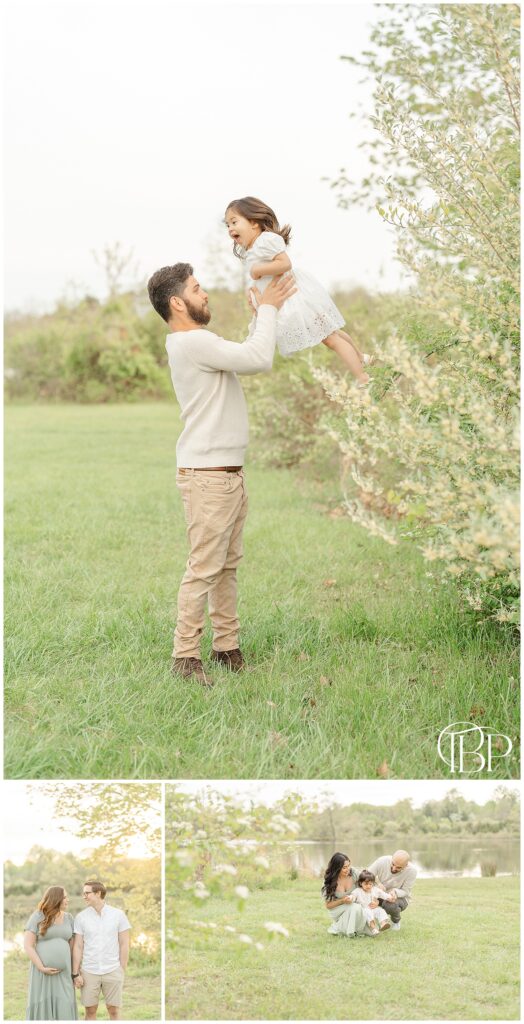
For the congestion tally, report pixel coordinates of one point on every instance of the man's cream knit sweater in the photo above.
(213, 408)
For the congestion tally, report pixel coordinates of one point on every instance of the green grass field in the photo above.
(456, 957)
(142, 997)
(357, 657)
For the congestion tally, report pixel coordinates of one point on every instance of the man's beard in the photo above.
(199, 315)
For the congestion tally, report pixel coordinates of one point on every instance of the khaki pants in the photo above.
(215, 509)
(111, 985)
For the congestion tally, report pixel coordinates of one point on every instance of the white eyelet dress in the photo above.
(307, 317)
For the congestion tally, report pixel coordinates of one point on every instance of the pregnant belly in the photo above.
(55, 953)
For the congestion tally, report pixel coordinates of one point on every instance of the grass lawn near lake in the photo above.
(142, 994)
(357, 657)
(456, 957)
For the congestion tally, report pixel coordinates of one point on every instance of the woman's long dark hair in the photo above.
(50, 906)
(263, 215)
(332, 872)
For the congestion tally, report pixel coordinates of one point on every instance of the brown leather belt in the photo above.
(212, 469)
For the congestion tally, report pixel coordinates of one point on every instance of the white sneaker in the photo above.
(396, 927)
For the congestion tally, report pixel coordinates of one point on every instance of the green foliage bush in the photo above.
(290, 420)
(101, 352)
(89, 352)
(442, 414)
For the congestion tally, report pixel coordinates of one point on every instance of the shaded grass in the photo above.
(455, 957)
(343, 675)
(142, 997)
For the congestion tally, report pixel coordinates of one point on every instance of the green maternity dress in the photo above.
(52, 996)
(347, 919)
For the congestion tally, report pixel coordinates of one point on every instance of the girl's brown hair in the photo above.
(50, 906)
(264, 216)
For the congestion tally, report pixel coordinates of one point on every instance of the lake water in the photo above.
(433, 858)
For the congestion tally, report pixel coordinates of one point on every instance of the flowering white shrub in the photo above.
(432, 449)
(215, 850)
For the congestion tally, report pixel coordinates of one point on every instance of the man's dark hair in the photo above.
(97, 887)
(166, 282)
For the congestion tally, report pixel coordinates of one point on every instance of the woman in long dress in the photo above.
(340, 879)
(48, 942)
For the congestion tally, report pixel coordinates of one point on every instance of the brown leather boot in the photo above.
(191, 668)
(232, 660)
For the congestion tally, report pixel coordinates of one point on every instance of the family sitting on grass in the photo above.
(370, 901)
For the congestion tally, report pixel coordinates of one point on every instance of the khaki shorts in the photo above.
(111, 985)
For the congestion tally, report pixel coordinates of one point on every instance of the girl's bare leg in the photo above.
(350, 341)
(347, 354)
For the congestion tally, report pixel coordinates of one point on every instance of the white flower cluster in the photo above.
(225, 869)
(200, 891)
(275, 928)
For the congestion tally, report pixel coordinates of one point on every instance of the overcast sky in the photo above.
(137, 122)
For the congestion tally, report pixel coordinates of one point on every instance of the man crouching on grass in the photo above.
(396, 876)
(210, 456)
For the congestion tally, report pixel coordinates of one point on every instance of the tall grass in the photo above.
(455, 957)
(357, 657)
(142, 996)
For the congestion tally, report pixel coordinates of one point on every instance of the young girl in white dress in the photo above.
(308, 317)
(366, 893)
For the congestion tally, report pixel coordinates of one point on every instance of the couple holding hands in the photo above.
(88, 952)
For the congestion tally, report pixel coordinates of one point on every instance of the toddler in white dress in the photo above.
(367, 892)
(308, 317)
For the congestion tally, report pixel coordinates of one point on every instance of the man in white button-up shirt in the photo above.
(101, 946)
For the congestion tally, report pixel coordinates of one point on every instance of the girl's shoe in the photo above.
(367, 359)
(385, 925)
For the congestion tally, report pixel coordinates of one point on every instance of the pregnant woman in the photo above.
(347, 917)
(48, 942)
